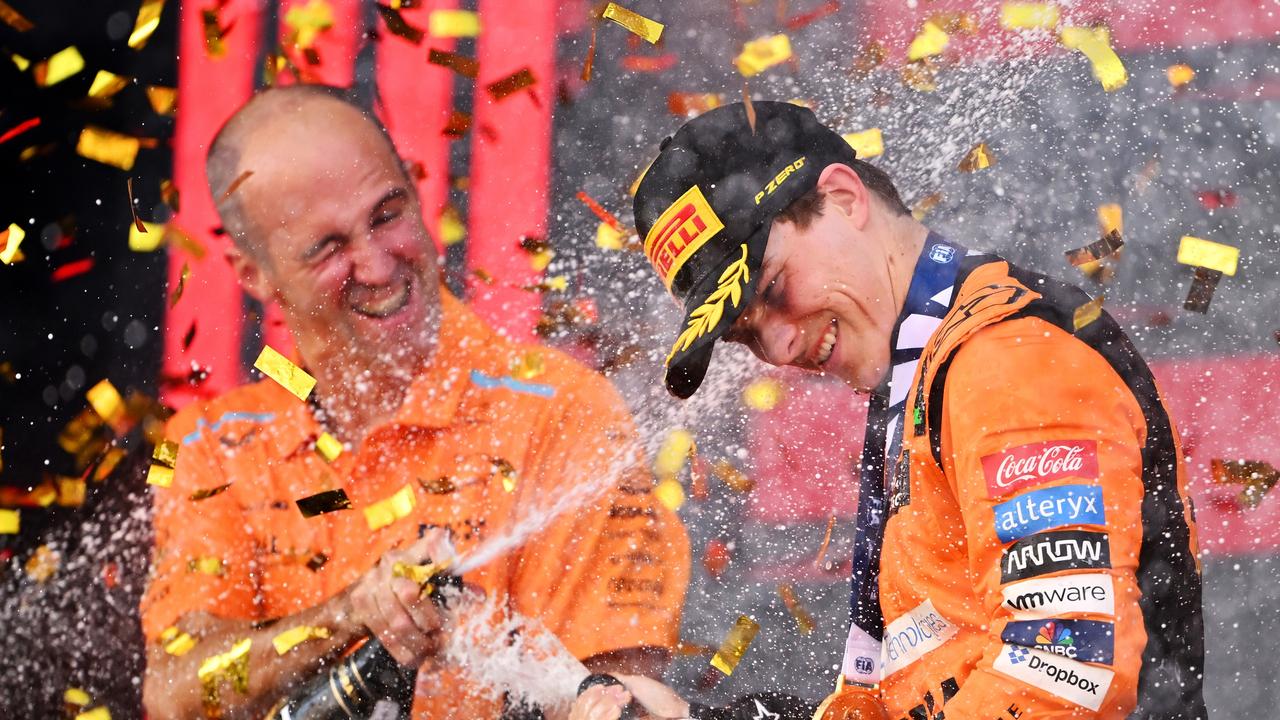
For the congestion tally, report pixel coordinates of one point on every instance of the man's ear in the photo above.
(250, 273)
(844, 192)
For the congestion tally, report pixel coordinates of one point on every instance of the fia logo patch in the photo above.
(942, 254)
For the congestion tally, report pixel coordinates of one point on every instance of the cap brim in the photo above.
(688, 363)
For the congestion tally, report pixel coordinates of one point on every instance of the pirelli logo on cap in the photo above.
(678, 233)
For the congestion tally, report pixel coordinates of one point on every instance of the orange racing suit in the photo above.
(1039, 556)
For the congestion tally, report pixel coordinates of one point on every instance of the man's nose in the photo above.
(372, 264)
(776, 339)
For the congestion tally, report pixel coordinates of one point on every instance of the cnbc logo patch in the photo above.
(1058, 638)
(1086, 640)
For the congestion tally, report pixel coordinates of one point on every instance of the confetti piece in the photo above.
(867, 143)
(206, 493)
(176, 642)
(588, 64)
(1258, 478)
(751, 109)
(71, 492)
(1095, 45)
(233, 665)
(804, 621)
(235, 185)
(683, 104)
(328, 446)
(638, 24)
(98, 713)
(926, 204)
(1111, 218)
(604, 215)
(1095, 251)
(732, 477)
(106, 401)
(10, 522)
(1087, 313)
(20, 128)
(735, 645)
(160, 476)
(289, 376)
(452, 229)
(442, 485)
(954, 22)
(507, 472)
(716, 558)
(826, 541)
(206, 565)
(291, 638)
(670, 493)
(930, 41)
(213, 32)
(528, 366)
(650, 63)
(145, 26)
(145, 236)
(454, 23)
(398, 26)
(162, 99)
(762, 394)
(607, 237)
(978, 158)
(9, 242)
(325, 502)
(76, 696)
(1202, 287)
(306, 22)
(42, 564)
(420, 574)
(797, 22)
(133, 208)
(1179, 75)
(182, 284)
(108, 147)
(461, 64)
(1029, 16)
(676, 449)
(511, 84)
(106, 83)
(384, 512)
(458, 125)
(60, 66)
(871, 57)
(920, 75)
(763, 53)
(71, 269)
(1216, 199)
(13, 18)
(1208, 254)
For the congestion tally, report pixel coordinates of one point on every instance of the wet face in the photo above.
(342, 249)
(825, 301)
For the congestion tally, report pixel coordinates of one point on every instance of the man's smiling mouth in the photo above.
(392, 303)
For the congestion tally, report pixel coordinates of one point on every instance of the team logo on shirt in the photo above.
(1075, 682)
(1039, 463)
(1085, 640)
(913, 635)
(1048, 509)
(1092, 593)
(1048, 552)
(679, 231)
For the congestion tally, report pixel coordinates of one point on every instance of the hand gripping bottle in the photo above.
(851, 701)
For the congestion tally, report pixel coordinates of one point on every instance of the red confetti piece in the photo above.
(650, 63)
(798, 21)
(19, 129)
(605, 216)
(590, 62)
(1217, 199)
(72, 269)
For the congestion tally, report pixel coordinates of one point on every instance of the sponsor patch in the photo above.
(682, 228)
(1039, 463)
(1084, 640)
(911, 636)
(1044, 598)
(1047, 509)
(1049, 552)
(1072, 681)
(778, 179)
(900, 484)
(942, 254)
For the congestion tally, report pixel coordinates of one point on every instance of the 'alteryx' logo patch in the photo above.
(1049, 508)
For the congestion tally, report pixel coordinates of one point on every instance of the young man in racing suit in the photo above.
(1026, 546)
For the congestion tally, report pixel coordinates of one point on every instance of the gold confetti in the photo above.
(515, 82)
(608, 238)
(670, 493)
(384, 512)
(453, 23)
(954, 22)
(325, 502)
(683, 104)
(291, 638)
(528, 366)
(289, 376)
(763, 394)
(13, 18)
(1087, 313)
(160, 476)
(731, 476)
(176, 642)
(1179, 75)
(76, 696)
(42, 564)
(235, 184)
(751, 109)
(763, 53)
(1257, 478)
(213, 32)
(108, 147)
(148, 238)
(870, 58)
(106, 401)
(60, 66)
(978, 158)
(461, 64)
(507, 472)
(804, 621)
(98, 713)
(110, 460)
(920, 75)
(133, 208)
(20, 62)
(10, 522)
(420, 574)
(328, 446)
(182, 285)
(1202, 287)
(206, 493)
(866, 143)
(926, 204)
(930, 41)
(676, 449)
(1208, 254)
(162, 99)
(452, 229)
(1111, 218)
(735, 645)
(442, 485)
(1095, 251)
(826, 541)
(145, 26)
(106, 83)
(588, 65)
(166, 453)
(1029, 16)
(70, 492)
(640, 25)
(9, 242)
(205, 564)
(306, 22)
(232, 665)
(1095, 44)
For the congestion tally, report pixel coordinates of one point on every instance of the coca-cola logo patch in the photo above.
(1038, 463)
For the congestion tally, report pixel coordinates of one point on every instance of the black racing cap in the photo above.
(705, 208)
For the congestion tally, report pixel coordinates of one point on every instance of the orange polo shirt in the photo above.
(607, 575)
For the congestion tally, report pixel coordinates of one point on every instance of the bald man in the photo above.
(326, 224)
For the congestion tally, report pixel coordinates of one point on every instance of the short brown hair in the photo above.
(809, 206)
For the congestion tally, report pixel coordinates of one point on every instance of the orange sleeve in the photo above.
(612, 574)
(1042, 443)
(187, 531)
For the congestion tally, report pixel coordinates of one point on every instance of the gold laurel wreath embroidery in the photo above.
(707, 315)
